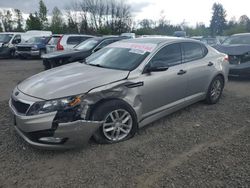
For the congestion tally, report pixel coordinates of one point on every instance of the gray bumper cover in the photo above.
(77, 133)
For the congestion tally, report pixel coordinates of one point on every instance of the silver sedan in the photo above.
(119, 89)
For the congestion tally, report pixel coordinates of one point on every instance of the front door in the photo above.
(164, 89)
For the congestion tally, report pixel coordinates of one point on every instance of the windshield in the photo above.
(35, 40)
(5, 38)
(87, 45)
(237, 40)
(117, 58)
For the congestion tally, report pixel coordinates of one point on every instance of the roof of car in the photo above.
(159, 40)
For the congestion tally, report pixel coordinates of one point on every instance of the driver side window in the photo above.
(168, 56)
(17, 39)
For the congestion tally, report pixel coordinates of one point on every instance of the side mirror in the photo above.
(150, 68)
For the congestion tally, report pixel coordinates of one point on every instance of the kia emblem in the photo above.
(16, 93)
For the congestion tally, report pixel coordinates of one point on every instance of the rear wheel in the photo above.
(119, 122)
(46, 64)
(215, 90)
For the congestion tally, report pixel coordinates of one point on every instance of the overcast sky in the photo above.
(192, 11)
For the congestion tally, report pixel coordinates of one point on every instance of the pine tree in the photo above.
(33, 22)
(57, 21)
(43, 14)
(218, 22)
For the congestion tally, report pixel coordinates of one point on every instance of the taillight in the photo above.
(59, 46)
(226, 58)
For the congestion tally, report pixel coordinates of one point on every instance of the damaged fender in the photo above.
(124, 90)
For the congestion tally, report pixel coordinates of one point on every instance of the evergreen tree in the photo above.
(218, 22)
(43, 14)
(57, 21)
(33, 22)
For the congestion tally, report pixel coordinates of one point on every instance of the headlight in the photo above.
(35, 47)
(55, 105)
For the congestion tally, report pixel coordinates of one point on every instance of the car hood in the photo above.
(233, 49)
(64, 53)
(71, 79)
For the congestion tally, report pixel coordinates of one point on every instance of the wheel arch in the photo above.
(102, 101)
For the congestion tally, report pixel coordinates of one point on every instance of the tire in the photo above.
(107, 134)
(215, 90)
(46, 64)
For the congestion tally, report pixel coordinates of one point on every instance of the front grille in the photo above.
(23, 49)
(20, 106)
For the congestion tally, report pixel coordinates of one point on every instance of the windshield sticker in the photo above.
(136, 51)
(146, 47)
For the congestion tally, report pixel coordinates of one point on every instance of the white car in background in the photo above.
(69, 41)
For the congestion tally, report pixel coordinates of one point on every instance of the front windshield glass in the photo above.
(35, 40)
(5, 38)
(121, 57)
(237, 40)
(87, 44)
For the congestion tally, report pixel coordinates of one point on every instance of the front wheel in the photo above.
(119, 122)
(215, 90)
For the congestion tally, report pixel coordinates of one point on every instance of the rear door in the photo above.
(199, 67)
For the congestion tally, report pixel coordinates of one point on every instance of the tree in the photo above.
(7, 20)
(218, 22)
(57, 21)
(19, 20)
(43, 14)
(33, 22)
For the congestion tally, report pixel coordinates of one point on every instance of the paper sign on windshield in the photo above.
(145, 47)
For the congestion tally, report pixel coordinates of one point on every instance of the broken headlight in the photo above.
(43, 107)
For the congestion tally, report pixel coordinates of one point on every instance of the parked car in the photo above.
(128, 35)
(180, 34)
(69, 41)
(119, 89)
(53, 43)
(34, 47)
(238, 49)
(78, 53)
(212, 41)
(8, 42)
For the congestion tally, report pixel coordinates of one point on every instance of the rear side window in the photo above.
(168, 56)
(76, 40)
(192, 51)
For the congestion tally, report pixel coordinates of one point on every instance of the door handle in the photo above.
(181, 72)
(210, 64)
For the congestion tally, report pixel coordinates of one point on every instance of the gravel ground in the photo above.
(199, 146)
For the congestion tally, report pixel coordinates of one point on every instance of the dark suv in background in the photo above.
(79, 52)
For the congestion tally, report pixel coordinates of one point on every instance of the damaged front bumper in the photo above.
(39, 132)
